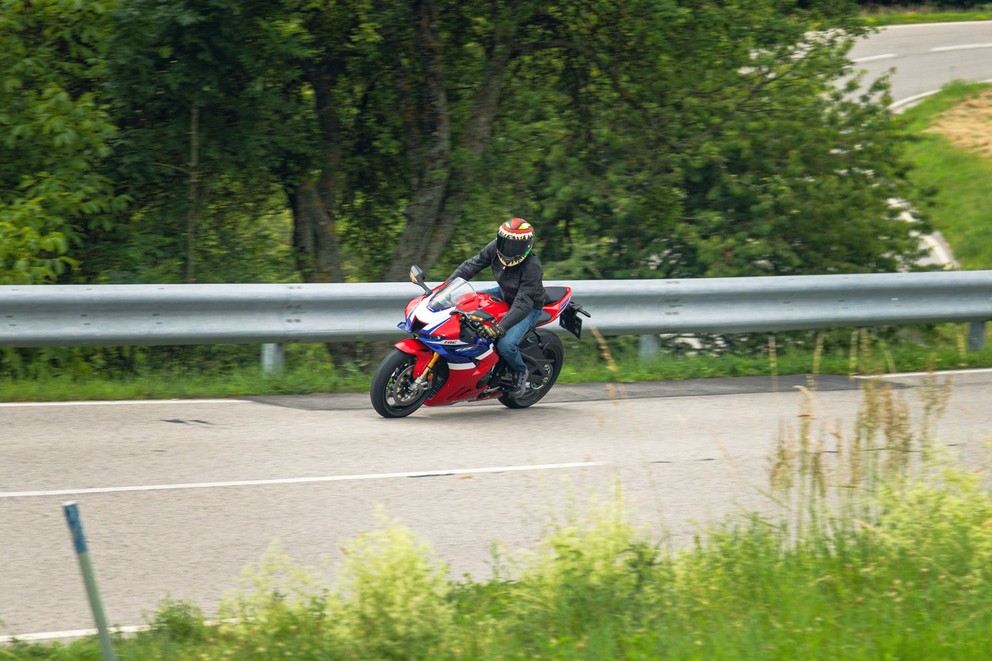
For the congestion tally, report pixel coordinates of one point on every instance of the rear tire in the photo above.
(392, 392)
(543, 364)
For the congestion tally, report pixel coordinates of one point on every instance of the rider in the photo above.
(519, 274)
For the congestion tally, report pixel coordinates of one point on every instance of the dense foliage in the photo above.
(55, 132)
(329, 141)
(941, 4)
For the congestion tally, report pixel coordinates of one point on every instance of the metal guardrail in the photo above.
(78, 315)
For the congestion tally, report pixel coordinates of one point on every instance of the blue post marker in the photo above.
(82, 553)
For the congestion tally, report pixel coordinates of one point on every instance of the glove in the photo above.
(492, 332)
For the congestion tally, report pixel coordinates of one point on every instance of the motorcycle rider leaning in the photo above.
(519, 274)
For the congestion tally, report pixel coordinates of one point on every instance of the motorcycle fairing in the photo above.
(438, 328)
(464, 380)
(469, 369)
(461, 380)
(561, 297)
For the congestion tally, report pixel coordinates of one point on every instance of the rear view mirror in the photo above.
(417, 277)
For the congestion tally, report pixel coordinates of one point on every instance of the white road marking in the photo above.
(941, 49)
(65, 635)
(913, 26)
(128, 402)
(871, 58)
(903, 375)
(297, 480)
(83, 633)
(898, 105)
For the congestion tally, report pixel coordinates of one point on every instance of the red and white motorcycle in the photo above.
(446, 361)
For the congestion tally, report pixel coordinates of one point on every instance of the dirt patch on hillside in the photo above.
(969, 124)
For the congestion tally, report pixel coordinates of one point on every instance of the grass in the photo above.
(880, 549)
(956, 177)
(880, 16)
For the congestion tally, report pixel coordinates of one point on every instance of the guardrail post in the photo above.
(976, 336)
(649, 348)
(273, 358)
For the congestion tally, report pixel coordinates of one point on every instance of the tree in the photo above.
(725, 143)
(664, 138)
(405, 95)
(204, 128)
(54, 134)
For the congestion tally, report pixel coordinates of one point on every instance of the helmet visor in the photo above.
(512, 248)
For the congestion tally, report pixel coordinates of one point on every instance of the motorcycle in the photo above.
(448, 361)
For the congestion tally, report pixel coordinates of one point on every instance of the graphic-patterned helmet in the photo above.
(514, 241)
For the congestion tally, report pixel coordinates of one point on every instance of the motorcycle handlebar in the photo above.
(473, 322)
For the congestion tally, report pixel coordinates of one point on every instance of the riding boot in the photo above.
(519, 383)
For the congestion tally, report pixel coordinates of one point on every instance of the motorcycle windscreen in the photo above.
(448, 296)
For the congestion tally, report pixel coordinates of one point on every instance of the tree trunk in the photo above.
(476, 139)
(193, 194)
(440, 188)
(429, 151)
(318, 255)
(314, 202)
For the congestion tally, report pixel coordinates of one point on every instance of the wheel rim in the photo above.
(400, 389)
(546, 370)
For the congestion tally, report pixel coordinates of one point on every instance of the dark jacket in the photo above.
(522, 286)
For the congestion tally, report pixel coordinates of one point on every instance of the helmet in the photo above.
(514, 241)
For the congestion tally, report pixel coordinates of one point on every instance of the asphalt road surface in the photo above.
(177, 497)
(926, 57)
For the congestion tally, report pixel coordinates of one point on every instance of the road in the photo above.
(921, 59)
(178, 497)
(926, 57)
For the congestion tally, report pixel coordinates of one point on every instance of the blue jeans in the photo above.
(508, 346)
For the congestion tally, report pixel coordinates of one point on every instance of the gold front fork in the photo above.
(422, 380)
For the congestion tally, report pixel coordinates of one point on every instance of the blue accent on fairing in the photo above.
(456, 354)
(75, 526)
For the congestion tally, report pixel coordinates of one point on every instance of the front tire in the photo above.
(544, 357)
(393, 393)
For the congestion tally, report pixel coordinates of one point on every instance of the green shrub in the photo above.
(396, 603)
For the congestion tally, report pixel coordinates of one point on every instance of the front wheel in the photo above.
(544, 356)
(394, 392)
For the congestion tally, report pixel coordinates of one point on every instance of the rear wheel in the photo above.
(544, 357)
(393, 391)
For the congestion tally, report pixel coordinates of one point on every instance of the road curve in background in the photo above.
(926, 57)
(921, 59)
